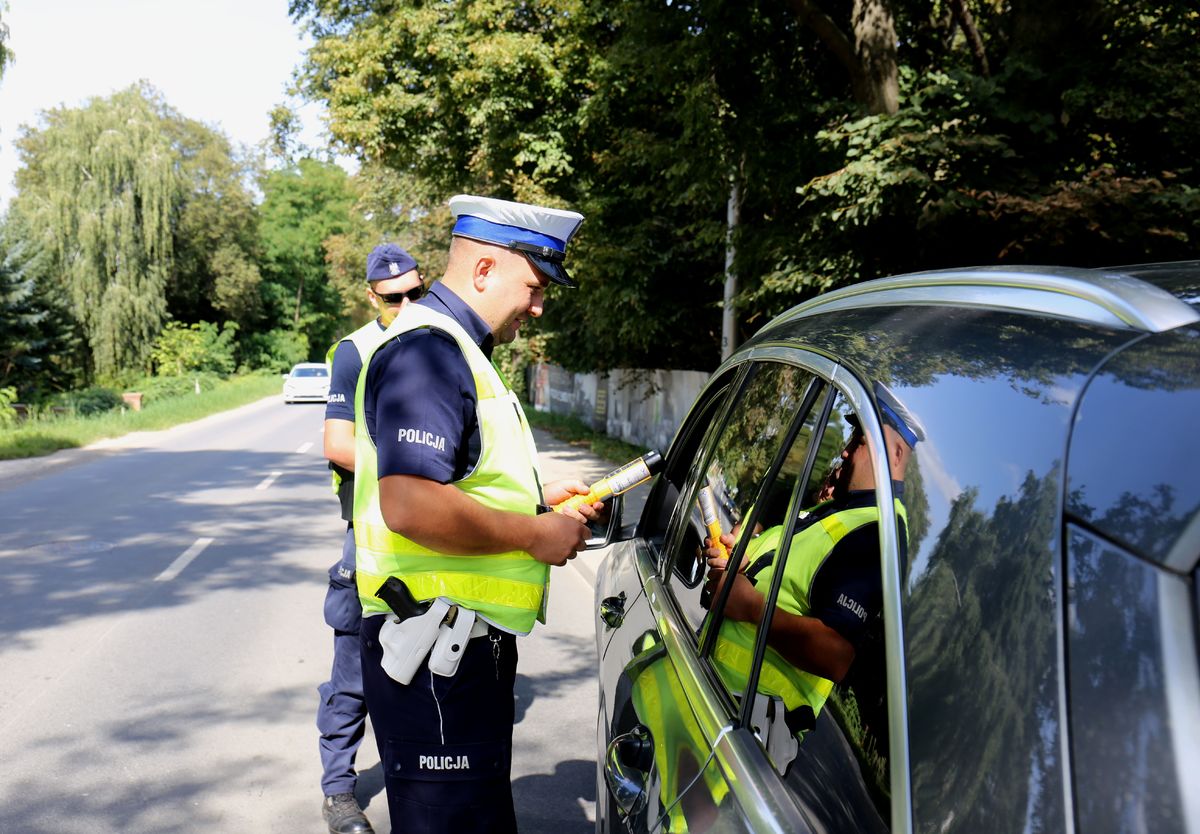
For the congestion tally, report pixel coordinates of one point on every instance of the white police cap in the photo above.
(539, 233)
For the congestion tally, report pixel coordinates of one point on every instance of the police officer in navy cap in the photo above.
(446, 509)
(393, 280)
(827, 627)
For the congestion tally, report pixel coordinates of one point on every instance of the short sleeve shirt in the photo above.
(343, 380)
(419, 398)
(847, 591)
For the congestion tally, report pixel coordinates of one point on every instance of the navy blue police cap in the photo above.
(387, 260)
(540, 234)
(895, 414)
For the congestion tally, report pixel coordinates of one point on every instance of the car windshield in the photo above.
(310, 372)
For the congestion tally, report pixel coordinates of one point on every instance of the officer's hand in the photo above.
(555, 492)
(718, 558)
(745, 604)
(557, 538)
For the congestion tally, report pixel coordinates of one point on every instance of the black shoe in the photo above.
(343, 815)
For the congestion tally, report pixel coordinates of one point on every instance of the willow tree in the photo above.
(97, 185)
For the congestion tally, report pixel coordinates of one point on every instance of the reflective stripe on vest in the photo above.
(506, 589)
(734, 648)
(365, 340)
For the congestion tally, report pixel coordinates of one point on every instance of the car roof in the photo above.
(1150, 298)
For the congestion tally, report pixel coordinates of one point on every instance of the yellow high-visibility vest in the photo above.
(506, 589)
(734, 647)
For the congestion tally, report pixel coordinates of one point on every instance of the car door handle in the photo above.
(627, 764)
(612, 610)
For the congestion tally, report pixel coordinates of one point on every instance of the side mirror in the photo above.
(607, 529)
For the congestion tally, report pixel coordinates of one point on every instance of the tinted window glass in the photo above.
(310, 372)
(820, 707)
(664, 495)
(1126, 781)
(729, 483)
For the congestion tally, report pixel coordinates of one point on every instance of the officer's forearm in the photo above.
(809, 644)
(441, 517)
(339, 443)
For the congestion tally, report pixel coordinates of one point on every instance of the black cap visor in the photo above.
(547, 261)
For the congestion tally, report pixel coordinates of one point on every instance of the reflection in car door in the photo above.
(641, 691)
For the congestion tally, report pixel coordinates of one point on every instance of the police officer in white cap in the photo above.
(446, 514)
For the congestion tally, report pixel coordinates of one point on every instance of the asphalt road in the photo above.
(161, 639)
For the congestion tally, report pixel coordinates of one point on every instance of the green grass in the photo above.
(43, 436)
(578, 433)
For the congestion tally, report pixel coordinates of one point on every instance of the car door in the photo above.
(683, 737)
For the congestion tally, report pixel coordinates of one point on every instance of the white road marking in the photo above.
(267, 481)
(304, 448)
(183, 560)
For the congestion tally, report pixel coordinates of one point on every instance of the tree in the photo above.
(97, 187)
(302, 207)
(215, 271)
(145, 217)
(5, 53)
(865, 137)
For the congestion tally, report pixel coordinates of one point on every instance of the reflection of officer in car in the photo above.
(392, 281)
(446, 500)
(830, 600)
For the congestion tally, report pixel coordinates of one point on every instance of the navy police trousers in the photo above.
(342, 713)
(446, 743)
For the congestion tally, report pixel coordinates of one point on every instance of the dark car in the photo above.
(961, 512)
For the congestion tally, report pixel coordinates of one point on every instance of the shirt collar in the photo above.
(444, 300)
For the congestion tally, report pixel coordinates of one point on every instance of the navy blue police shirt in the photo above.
(340, 406)
(847, 590)
(419, 401)
(343, 379)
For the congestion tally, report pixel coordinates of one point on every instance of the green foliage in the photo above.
(8, 414)
(1029, 132)
(97, 187)
(90, 401)
(5, 53)
(277, 350)
(155, 389)
(196, 347)
(46, 434)
(302, 207)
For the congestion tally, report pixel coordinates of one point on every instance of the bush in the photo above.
(155, 389)
(89, 401)
(8, 414)
(195, 347)
(276, 350)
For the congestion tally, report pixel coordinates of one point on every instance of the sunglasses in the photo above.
(413, 294)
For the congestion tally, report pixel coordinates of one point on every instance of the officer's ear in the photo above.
(484, 271)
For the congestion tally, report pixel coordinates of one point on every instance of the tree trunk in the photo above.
(299, 295)
(870, 60)
(967, 21)
(729, 311)
(877, 85)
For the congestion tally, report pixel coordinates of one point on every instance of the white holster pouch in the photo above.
(767, 721)
(451, 641)
(441, 634)
(406, 643)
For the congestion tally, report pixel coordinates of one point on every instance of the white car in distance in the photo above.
(307, 382)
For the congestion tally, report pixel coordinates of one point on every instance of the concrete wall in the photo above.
(642, 407)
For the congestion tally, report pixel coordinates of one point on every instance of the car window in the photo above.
(321, 371)
(729, 476)
(811, 558)
(664, 494)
